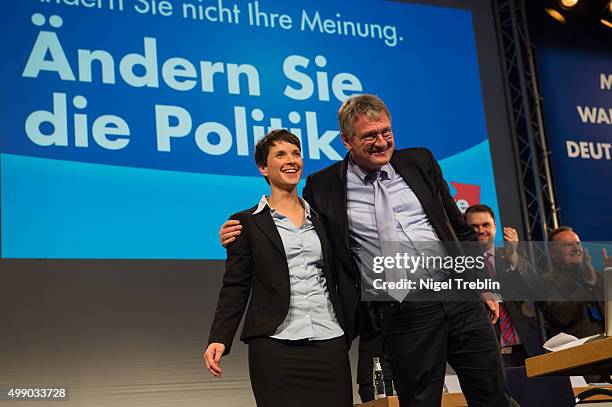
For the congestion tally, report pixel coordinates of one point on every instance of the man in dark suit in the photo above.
(375, 193)
(517, 329)
(419, 337)
(573, 289)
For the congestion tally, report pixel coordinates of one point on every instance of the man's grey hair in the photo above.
(356, 106)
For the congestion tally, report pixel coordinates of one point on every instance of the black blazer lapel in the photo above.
(413, 177)
(265, 223)
(338, 191)
(330, 277)
(425, 190)
(318, 226)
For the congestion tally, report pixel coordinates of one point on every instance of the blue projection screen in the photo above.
(127, 127)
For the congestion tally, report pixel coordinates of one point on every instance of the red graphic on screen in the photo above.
(467, 195)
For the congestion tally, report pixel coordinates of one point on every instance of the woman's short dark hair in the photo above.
(263, 146)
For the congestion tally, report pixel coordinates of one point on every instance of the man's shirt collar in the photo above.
(386, 171)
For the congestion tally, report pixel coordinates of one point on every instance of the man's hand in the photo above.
(492, 306)
(511, 240)
(590, 274)
(212, 357)
(229, 230)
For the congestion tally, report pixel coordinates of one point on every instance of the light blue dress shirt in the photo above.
(311, 314)
(414, 228)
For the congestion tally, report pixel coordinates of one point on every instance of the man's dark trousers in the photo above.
(420, 337)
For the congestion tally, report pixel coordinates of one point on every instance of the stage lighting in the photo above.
(568, 4)
(557, 7)
(556, 15)
(607, 17)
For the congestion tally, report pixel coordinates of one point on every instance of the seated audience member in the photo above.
(517, 329)
(573, 289)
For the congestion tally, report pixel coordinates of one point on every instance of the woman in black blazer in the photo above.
(298, 354)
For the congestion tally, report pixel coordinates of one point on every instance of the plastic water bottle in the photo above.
(378, 380)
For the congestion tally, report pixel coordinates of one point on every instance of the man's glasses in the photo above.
(370, 138)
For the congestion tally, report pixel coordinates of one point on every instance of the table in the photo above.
(586, 359)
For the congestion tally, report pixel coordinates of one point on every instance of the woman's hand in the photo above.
(212, 357)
